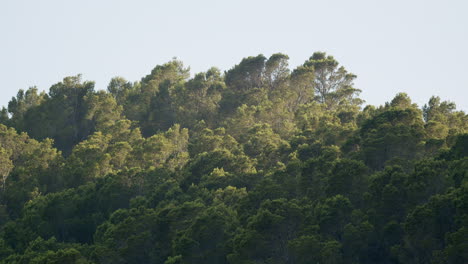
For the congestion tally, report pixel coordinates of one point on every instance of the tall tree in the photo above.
(333, 84)
(61, 116)
(199, 98)
(6, 165)
(19, 105)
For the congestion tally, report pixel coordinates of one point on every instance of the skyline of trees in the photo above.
(259, 164)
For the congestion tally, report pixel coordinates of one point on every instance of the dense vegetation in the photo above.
(259, 164)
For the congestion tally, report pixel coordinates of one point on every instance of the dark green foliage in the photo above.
(393, 137)
(260, 164)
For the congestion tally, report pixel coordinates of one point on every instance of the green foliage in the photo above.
(41, 251)
(199, 98)
(333, 85)
(393, 137)
(259, 164)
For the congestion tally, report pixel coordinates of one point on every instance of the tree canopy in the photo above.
(258, 164)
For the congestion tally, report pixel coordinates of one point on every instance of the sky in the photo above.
(419, 47)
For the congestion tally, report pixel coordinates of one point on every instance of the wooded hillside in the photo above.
(259, 164)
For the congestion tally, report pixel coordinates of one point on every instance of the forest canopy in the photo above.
(257, 164)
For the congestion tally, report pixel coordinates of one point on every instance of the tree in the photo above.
(247, 75)
(443, 123)
(6, 165)
(127, 237)
(155, 99)
(348, 178)
(208, 239)
(268, 233)
(301, 86)
(28, 167)
(427, 226)
(168, 149)
(333, 214)
(19, 105)
(60, 116)
(102, 111)
(264, 145)
(120, 88)
(333, 85)
(208, 140)
(276, 75)
(89, 160)
(199, 98)
(437, 110)
(396, 133)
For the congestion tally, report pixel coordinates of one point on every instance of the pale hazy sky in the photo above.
(415, 46)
